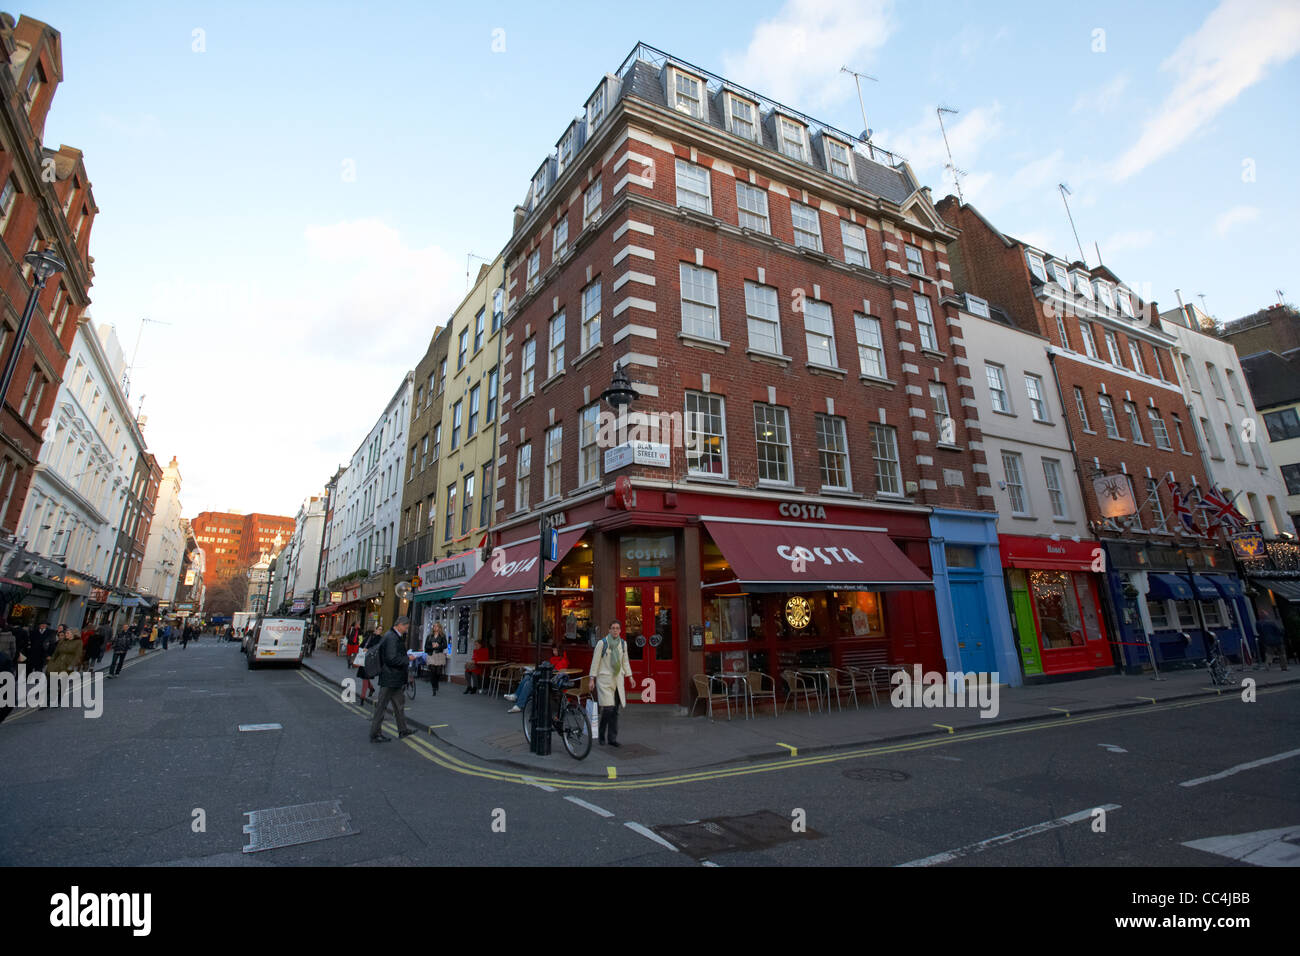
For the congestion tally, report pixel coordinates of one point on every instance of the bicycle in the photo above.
(412, 672)
(1217, 663)
(570, 722)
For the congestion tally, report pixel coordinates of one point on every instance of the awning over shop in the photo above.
(40, 581)
(1164, 587)
(327, 609)
(517, 574)
(1229, 587)
(807, 558)
(15, 583)
(441, 594)
(1022, 551)
(1285, 588)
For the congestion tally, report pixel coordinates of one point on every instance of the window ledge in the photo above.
(778, 486)
(1088, 431)
(818, 369)
(771, 358)
(592, 352)
(935, 354)
(554, 499)
(699, 342)
(840, 493)
(884, 496)
(948, 447)
(998, 411)
(553, 379)
(524, 400)
(873, 380)
(581, 489)
(1062, 520)
(1016, 517)
(711, 480)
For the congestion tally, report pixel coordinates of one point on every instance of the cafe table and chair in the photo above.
(760, 686)
(737, 685)
(711, 689)
(797, 685)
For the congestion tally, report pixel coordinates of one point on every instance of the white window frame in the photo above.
(749, 199)
(1083, 285)
(942, 413)
(1210, 441)
(1112, 349)
(588, 450)
(763, 309)
(555, 346)
(703, 283)
(694, 187)
(915, 259)
(811, 217)
(925, 323)
(523, 475)
(596, 110)
(1107, 406)
(854, 254)
(871, 346)
(1234, 386)
(528, 367)
(552, 475)
(591, 200)
(977, 306)
(1053, 478)
(694, 106)
(8, 200)
(1037, 398)
(1159, 431)
(1135, 353)
(534, 267)
(1158, 517)
(1212, 372)
(829, 143)
(1134, 423)
(889, 476)
(1062, 276)
(996, 379)
(1125, 302)
(591, 315)
(1238, 453)
(1013, 473)
(835, 429)
(777, 419)
(560, 238)
(753, 122)
(784, 125)
(1190, 370)
(1105, 294)
(705, 407)
(819, 332)
(1037, 265)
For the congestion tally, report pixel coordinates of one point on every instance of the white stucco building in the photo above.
(302, 554)
(165, 552)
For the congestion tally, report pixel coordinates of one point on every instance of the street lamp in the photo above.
(620, 392)
(44, 264)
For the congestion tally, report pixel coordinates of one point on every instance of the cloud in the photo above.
(1101, 100)
(922, 143)
(1236, 216)
(795, 56)
(1231, 51)
(1127, 241)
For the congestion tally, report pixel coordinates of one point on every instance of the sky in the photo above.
(290, 193)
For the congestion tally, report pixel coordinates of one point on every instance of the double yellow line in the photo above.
(456, 764)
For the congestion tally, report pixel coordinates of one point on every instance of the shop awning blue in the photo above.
(1205, 588)
(1229, 587)
(1164, 587)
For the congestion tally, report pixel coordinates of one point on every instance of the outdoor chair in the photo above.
(797, 684)
(580, 691)
(705, 692)
(864, 677)
(761, 686)
(840, 681)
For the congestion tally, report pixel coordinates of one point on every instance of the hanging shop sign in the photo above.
(1114, 496)
(1248, 544)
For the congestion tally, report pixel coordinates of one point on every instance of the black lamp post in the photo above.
(44, 265)
(620, 392)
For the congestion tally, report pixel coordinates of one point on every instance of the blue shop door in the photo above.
(974, 642)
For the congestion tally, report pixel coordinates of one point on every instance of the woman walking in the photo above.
(436, 647)
(367, 688)
(609, 665)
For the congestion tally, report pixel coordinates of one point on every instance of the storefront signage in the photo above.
(637, 453)
(798, 612)
(449, 572)
(805, 512)
(836, 555)
(299, 605)
(1114, 496)
(184, 607)
(336, 597)
(1248, 544)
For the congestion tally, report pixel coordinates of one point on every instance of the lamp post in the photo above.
(44, 264)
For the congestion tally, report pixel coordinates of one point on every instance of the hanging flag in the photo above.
(1219, 510)
(1181, 510)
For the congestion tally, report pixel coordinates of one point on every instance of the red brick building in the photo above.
(233, 542)
(779, 293)
(45, 204)
(1127, 418)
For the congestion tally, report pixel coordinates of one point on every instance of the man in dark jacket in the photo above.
(38, 647)
(392, 682)
(121, 644)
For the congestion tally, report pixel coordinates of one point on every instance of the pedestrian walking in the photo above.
(94, 649)
(185, 636)
(367, 688)
(8, 665)
(37, 650)
(105, 632)
(68, 652)
(166, 635)
(121, 644)
(436, 647)
(609, 665)
(392, 682)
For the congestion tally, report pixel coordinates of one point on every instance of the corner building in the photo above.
(778, 293)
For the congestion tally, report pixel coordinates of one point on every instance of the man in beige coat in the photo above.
(609, 665)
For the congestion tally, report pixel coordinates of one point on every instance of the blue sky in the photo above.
(298, 198)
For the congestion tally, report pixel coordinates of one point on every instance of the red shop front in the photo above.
(1056, 604)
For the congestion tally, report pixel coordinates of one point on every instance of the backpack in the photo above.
(373, 662)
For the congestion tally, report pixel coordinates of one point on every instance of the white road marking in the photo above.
(1280, 847)
(1240, 767)
(707, 863)
(1114, 748)
(650, 835)
(245, 728)
(589, 806)
(540, 786)
(1005, 838)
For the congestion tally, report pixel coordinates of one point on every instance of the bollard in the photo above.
(541, 704)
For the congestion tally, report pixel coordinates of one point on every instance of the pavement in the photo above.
(662, 739)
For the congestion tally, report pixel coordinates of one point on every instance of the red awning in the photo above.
(808, 558)
(327, 609)
(517, 573)
(1021, 551)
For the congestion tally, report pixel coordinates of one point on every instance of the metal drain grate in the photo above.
(289, 826)
(753, 831)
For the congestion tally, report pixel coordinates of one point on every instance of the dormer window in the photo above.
(838, 159)
(1037, 266)
(566, 150)
(1125, 303)
(539, 185)
(742, 117)
(595, 110)
(977, 306)
(1083, 285)
(688, 94)
(34, 86)
(1062, 277)
(791, 137)
(1104, 295)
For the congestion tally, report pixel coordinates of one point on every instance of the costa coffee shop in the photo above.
(704, 582)
(1055, 599)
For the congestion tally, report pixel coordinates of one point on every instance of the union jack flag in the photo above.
(1220, 510)
(1181, 510)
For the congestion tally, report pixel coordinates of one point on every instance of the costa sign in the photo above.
(836, 555)
(804, 512)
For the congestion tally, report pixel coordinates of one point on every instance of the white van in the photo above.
(277, 639)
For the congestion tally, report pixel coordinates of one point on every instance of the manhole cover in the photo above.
(753, 831)
(289, 826)
(877, 773)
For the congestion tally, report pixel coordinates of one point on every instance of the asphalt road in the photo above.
(124, 789)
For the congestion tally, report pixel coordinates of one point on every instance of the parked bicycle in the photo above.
(413, 668)
(1217, 663)
(568, 720)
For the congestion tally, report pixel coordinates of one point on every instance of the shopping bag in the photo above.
(593, 713)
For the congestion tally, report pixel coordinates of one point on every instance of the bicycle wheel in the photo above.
(576, 730)
(1219, 671)
(410, 687)
(528, 725)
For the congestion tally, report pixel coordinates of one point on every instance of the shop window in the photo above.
(646, 556)
(1058, 609)
(1213, 614)
(1159, 614)
(1186, 614)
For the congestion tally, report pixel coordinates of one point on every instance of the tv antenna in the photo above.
(135, 352)
(957, 174)
(469, 256)
(1065, 191)
(858, 78)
